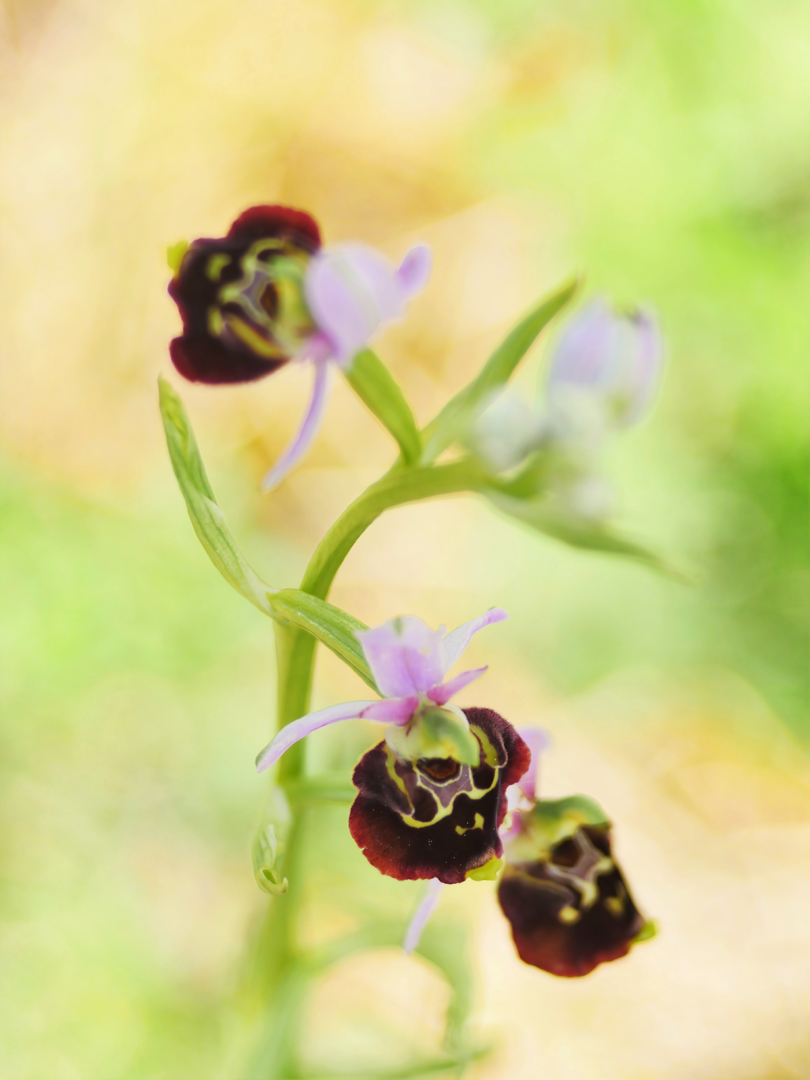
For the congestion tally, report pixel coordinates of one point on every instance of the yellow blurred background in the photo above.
(659, 148)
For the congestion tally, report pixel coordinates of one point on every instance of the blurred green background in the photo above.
(662, 149)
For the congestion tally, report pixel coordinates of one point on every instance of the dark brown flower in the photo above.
(241, 297)
(563, 892)
(437, 818)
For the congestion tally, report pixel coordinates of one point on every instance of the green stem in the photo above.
(295, 650)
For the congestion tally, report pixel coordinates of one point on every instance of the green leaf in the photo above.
(376, 387)
(335, 628)
(455, 417)
(206, 516)
(586, 535)
(269, 844)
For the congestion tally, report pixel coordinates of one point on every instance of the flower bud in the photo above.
(614, 357)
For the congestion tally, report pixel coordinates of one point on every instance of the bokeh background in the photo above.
(661, 148)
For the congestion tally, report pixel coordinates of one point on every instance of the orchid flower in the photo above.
(432, 795)
(268, 293)
(561, 889)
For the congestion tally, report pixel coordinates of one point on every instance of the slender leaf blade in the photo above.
(334, 628)
(583, 535)
(454, 417)
(376, 387)
(206, 516)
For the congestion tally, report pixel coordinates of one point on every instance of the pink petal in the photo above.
(442, 694)
(537, 740)
(430, 899)
(404, 655)
(298, 729)
(306, 433)
(414, 270)
(457, 641)
(351, 291)
(584, 351)
(392, 710)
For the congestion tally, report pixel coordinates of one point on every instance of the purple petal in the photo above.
(306, 433)
(584, 349)
(351, 291)
(430, 898)
(457, 640)
(414, 270)
(537, 740)
(404, 655)
(442, 694)
(298, 729)
(392, 710)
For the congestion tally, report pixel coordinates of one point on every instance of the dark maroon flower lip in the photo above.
(241, 297)
(570, 910)
(437, 818)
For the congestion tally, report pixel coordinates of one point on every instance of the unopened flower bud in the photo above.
(614, 356)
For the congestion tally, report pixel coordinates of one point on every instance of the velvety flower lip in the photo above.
(437, 818)
(409, 662)
(240, 297)
(268, 293)
(563, 892)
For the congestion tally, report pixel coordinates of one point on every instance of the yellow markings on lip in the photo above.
(215, 265)
(568, 915)
(490, 754)
(478, 823)
(615, 905)
(254, 341)
(215, 323)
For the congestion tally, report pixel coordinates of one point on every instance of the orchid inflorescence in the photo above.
(448, 794)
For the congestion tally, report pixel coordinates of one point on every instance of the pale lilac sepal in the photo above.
(440, 695)
(351, 290)
(298, 729)
(392, 710)
(430, 898)
(582, 354)
(414, 270)
(308, 430)
(457, 640)
(404, 655)
(537, 740)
